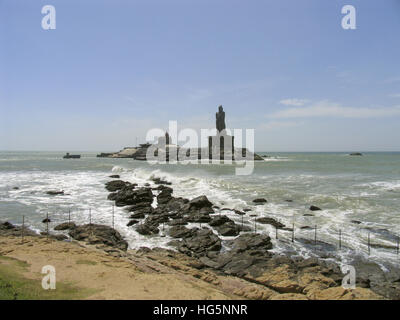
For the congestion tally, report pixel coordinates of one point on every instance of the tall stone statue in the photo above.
(220, 119)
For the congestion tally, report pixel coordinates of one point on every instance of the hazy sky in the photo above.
(111, 70)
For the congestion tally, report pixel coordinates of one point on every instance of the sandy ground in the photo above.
(111, 277)
(153, 274)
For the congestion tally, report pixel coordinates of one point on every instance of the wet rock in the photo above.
(219, 220)
(271, 221)
(314, 208)
(178, 222)
(355, 221)
(6, 226)
(132, 222)
(99, 234)
(115, 176)
(181, 232)
(161, 181)
(259, 201)
(228, 229)
(127, 197)
(65, 226)
(199, 218)
(250, 241)
(200, 202)
(55, 193)
(47, 220)
(224, 226)
(200, 243)
(147, 229)
(116, 185)
(164, 196)
(137, 215)
(8, 229)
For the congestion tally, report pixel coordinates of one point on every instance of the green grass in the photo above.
(14, 286)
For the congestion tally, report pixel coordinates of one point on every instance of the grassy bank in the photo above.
(15, 286)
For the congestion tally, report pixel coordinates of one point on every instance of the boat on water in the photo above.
(72, 156)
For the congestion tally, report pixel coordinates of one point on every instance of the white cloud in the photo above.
(328, 109)
(294, 102)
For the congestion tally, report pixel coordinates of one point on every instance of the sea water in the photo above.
(359, 195)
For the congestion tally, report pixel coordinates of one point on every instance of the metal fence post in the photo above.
(315, 235)
(369, 244)
(47, 226)
(293, 232)
(113, 216)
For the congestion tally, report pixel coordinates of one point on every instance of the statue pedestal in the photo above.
(221, 146)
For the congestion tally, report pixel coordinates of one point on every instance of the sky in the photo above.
(113, 69)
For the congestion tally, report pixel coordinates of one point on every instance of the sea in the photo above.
(359, 197)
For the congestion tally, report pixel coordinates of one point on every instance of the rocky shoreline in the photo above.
(154, 211)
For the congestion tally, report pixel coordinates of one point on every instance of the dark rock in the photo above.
(251, 241)
(355, 221)
(147, 229)
(271, 221)
(8, 229)
(228, 229)
(15, 188)
(65, 226)
(178, 222)
(180, 232)
(259, 201)
(314, 208)
(160, 181)
(219, 220)
(46, 220)
(132, 222)
(99, 234)
(116, 185)
(164, 196)
(241, 213)
(115, 176)
(199, 218)
(356, 154)
(7, 226)
(200, 243)
(55, 193)
(200, 202)
(137, 215)
(130, 197)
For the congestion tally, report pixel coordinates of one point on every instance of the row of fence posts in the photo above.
(339, 240)
(47, 221)
(255, 229)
